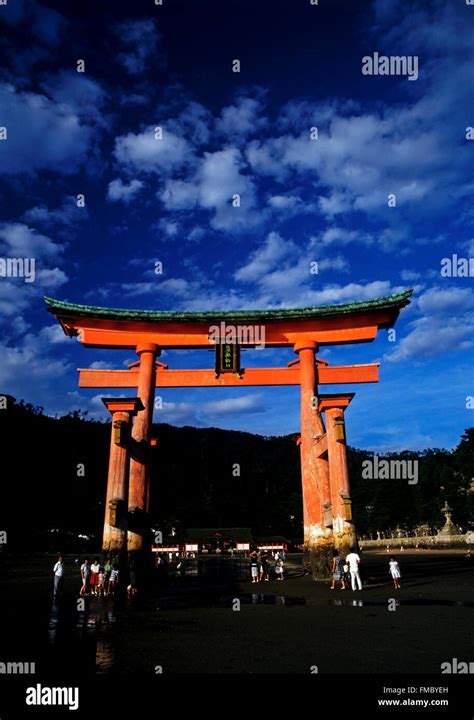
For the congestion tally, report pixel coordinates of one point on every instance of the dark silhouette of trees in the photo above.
(204, 478)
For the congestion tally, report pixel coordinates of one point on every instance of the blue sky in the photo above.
(245, 133)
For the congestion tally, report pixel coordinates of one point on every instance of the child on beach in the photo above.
(394, 570)
(114, 575)
(102, 586)
(279, 569)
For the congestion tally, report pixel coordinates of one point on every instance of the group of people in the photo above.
(261, 565)
(347, 570)
(97, 579)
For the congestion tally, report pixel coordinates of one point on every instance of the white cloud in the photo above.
(82, 95)
(446, 301)
(446, 324)
(51, 278)
(27, 371)
(194, 123)
(22, 241)
(14, 298)
(66, 216)
(220, 177)
(141, 40)
(144, 152)
(179, 195)
(118, 191)
(431, 337)
(265, 258)
(101, 365)
(242, 119)
(177, 287)
(409, 275)
(42, 134)
(243, 404)
(341, 236)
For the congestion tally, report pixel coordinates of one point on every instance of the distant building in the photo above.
(223, 540)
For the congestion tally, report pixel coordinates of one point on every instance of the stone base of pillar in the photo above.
(345, 538)
(114, 540)
(135, 542)
(317, 560)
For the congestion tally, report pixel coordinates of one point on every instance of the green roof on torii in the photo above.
(61, 308)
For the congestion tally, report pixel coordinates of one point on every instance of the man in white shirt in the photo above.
(353, 561)
(58, 577)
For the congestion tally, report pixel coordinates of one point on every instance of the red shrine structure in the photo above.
(327, 511)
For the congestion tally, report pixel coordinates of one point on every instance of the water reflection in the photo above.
(264, 599)
(95, 614)
(54, 618)
(104, 655)
(346, 603)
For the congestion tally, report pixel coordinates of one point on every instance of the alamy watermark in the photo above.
(457, 667)
(390, 65)
(457, 266)
(237, 334)
(375, 468)
(17, 668)
(42, 695)
(18, 267)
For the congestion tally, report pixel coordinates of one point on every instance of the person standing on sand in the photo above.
(353, 560)
(254, 566)
(95, 569)
(394, 570)
(58, 577)
(85, 574)
(108, 570)
(337, 570)
(279, 569)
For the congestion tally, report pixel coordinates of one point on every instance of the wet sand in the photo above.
(230, 627)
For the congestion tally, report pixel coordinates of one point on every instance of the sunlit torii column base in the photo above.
(343, 528)
(114, 540)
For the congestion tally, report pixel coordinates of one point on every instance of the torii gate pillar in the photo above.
(139, 463)
(343, 527)
(314, 468)
(114, 541)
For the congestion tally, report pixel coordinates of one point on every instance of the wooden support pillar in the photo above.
(314, 468)
(114, 541)
(343, 527)
(138, 501)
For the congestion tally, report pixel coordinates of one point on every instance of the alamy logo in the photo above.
(376, 468)
(241, 334)
(40, 695)
(455, 667)
(457, 267)
(18, 267)
(390, 65)
(17, 668)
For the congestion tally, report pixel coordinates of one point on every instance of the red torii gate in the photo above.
(325, 482)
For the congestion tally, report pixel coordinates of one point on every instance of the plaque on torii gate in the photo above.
(325, 483)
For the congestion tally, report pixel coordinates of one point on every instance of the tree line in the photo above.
(206, 477)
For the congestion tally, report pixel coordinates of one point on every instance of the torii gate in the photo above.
(325, 481)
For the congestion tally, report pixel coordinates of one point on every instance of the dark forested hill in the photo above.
(57, 470)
